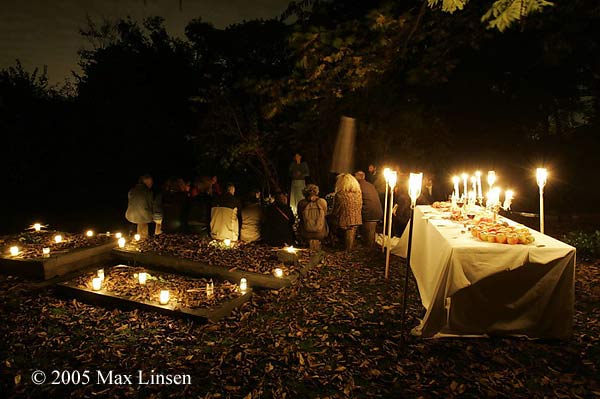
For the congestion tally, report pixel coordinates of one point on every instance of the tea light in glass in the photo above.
(96, 283)
(164, 297)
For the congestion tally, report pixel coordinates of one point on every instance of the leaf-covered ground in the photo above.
(252, 257)
(31, 243)
(186, 292)
(334, 334)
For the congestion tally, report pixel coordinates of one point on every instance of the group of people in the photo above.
(203, 208)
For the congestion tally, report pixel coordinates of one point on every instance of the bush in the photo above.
(587, 244)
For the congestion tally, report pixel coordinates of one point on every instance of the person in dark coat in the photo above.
(228, 199)
(371, 210)
(175, 206)
(200, 207)
(278, 225)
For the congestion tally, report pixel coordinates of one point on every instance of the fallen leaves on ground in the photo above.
(32, 243)
(334, 334)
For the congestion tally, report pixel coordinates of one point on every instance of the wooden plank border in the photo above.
(173, 264)
(108, 300)
(56, 265)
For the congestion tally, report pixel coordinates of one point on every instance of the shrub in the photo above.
(587, 244)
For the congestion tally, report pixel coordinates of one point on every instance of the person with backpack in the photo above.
(313, 211)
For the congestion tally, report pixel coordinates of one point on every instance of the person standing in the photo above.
(372, 211)
(298, 173)
(347, 205)
(142, 209)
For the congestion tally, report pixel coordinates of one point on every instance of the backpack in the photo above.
(314, 218)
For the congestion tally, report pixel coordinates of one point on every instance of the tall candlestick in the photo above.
(491, 178)
(465, 177)
(386, 175)
(479, 190)
(455, 180)
(541, 177)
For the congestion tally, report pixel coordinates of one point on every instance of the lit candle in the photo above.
(121, 242)
(14, 251)
(37, 226)
(96, 283)
(137, 237)
(455, 180)
(209, 290)
(291, 249)
(541, 175)
(58, 238)
(108, 233)
(164, 297)
(89, 233)
(465, 178)
(278, 272)
(491, 178)
(142, 277)
(415, 184)
(508, 197)
(227, 242)
(479, 190)
(101, 274)
(118, 235)
(243, 285)
(46, 252)
(474, 184)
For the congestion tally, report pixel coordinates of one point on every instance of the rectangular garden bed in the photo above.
(189, 296)
(190, 267)
(57, 263)
(262, 265)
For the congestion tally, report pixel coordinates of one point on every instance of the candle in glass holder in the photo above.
(37, 226)
(96, 283)
(142, 277)
(121, 242)
(58, 238)
(101, 274)
(243, 285)
(14, 251)
(118, 235)
(210, 290)
(164, 297)
(227, 242)
(46, 252)
(278, 272)
(89, 233)
(137, 237)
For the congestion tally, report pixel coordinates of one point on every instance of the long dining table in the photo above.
(474, 288)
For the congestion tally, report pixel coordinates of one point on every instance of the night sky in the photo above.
(46, 32)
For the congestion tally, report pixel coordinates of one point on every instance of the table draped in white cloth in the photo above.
(471, 287)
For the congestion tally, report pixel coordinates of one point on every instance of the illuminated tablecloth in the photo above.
(470, 287)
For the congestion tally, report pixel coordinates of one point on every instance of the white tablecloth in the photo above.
(470, 287)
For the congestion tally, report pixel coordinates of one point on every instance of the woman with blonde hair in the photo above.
(347, 204)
